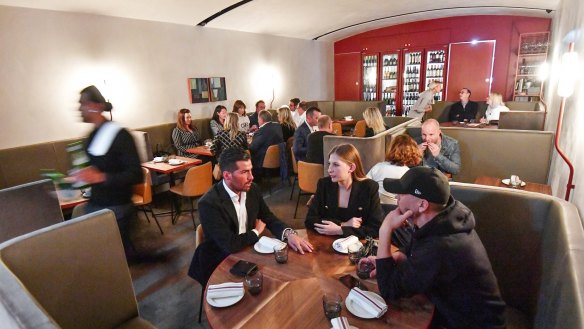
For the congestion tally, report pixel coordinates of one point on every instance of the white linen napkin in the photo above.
(372, 306)
(224, 290)
(270, 243)
(340, 323)
(343, 244)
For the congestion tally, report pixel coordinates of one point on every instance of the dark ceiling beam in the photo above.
(224, 11)
(427, 11)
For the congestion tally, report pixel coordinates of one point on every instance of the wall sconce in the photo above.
(568, 75)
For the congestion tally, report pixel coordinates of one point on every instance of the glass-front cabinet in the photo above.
(389, 81)
(531, 55)
(369, 83)
(411, 79)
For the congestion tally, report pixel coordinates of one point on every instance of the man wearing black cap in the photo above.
(445, 260)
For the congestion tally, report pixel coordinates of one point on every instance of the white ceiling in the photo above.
(304, 19)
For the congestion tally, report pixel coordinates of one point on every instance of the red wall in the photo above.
(504, 29)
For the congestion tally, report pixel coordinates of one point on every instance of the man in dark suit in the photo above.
(253, 119)
(465, 109)
(300, 146)
(315, 140)
(268, 134)
(234, 214)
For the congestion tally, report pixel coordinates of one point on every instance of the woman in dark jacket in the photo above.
(347, 202)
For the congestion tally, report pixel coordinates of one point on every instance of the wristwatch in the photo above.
(287, 233)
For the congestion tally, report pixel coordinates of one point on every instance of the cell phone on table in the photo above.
(351, 282)
(243, 267)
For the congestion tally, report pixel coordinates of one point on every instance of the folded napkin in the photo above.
(270, 243)
(340, 323)
(343, 244)
(175, 161)
(224, 290)
(372, 306)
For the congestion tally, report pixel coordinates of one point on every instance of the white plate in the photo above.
(178, 162)
(506, 181)
(261, 249)
(224, 302)
(343, 251)
(357, 310)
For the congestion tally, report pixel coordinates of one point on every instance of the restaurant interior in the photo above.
(151, 59)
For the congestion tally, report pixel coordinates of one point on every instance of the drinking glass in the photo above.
(331, 303)
(515, 181)
(281, 254)
(254, 282)
(364, 269)
(354, 252)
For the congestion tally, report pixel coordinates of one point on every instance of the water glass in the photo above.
(364, 269)
(281, 254)
(354, 252)
(332, 305)
(254, 282)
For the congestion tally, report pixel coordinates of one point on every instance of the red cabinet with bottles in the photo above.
(397, 77)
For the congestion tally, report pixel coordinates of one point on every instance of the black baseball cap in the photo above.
(423, 182)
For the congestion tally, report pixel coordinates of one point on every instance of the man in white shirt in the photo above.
(293, 105)
(300, 115)
(234, 214)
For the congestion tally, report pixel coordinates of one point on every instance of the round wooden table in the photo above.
(292, 292)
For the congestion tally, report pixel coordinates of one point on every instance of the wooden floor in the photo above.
(167, 297)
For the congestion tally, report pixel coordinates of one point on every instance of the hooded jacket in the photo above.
(447, 262)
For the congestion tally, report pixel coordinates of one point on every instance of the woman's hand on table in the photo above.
(328, 228)
(299, 245)
(354, 222)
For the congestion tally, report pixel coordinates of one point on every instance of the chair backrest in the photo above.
(360, 128)
(198, 180)
(308, 175)
(28, 207)
(272, 158)
(294, 162)
(200, 236)
(522, 120)
(337, 129)
(144, 189)
(76, 271)
(143, 146)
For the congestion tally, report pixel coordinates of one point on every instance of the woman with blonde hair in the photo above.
(243, 122)
(185, 136)
(374, 121)
(230, 136)
(401, 156)
(496, 106)
(345, 203)
(286, 121)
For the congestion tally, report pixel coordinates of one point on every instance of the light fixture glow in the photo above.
(543, 71)
(474, 42)
(568, 74)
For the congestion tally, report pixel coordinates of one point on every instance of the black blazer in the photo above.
(301, 141)
(269, 134)
(459, 113)
(315, 152)
(363, 202)
(221, 228)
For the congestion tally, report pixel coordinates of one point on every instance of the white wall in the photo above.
(569, 17)
(47, 57)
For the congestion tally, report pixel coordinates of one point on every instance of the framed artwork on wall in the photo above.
(199, 90)
(218, 90)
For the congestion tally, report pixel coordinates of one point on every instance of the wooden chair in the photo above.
(76, 272)
(142, 197)
(360, 128)
(198, 180)
(199, 238)
(337, 129)
(271, 160)
(308, 176)
(295, 168)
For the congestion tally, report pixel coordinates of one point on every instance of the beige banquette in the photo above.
(68, 275)
(500, 153)
(522, 115)
(372, 149)
(536, 246)
(341, 109)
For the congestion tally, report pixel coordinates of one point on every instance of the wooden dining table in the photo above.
(201, 150)
(468, 125)
(292, 292)
(531, 187)
(166, 168)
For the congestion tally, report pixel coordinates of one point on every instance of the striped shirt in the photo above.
(184, 140)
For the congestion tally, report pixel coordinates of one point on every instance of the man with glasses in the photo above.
(465, 109)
